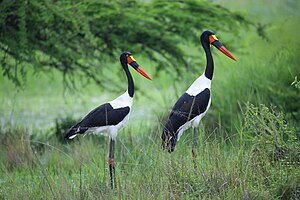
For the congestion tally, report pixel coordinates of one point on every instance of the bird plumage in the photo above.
(111, 117)
(106, 119)
(195, 102)
(187, 112)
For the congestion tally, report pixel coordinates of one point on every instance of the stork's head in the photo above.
(210, 38)
(127, 58)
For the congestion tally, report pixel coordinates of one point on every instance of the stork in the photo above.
(194, 103)
(109, 118)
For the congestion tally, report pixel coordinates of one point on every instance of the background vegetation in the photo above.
(59, 59)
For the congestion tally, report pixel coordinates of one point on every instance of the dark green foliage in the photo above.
(62, 125)
(80, 36)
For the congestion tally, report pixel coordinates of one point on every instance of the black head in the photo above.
(205, 35)
(127, 58)
(124, 55)
(209, 37)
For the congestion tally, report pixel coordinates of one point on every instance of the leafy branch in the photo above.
(76, 37)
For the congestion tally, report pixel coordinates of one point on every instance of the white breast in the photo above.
(199, 85)
(122, 101)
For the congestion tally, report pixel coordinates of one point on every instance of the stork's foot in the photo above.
(113, 182)
(194, 152)
(111, 162)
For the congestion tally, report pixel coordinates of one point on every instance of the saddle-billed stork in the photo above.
(110, 117)
(194, 103)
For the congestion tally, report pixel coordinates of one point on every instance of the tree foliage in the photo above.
(78, 37)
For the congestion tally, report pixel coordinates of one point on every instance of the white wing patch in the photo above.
(71, 137)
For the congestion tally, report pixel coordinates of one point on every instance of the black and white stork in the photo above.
(194, 103)
(110, 117)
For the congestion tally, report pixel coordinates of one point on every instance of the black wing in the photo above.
(101, 116)
(186, 108)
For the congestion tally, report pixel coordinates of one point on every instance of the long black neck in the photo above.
(209, 69)
(130, 80)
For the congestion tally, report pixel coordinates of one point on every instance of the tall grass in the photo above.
(260, 162)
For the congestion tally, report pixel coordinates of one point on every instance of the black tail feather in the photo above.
(74, 130)
(70, 133)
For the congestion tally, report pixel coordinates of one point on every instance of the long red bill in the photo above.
(226, 52)
(142, 72)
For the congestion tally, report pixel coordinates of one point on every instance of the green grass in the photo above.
(257, 163)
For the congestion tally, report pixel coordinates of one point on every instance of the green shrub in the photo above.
(275, 151)
(62, 125)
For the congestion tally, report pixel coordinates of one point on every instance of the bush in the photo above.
(62, 125)
(275, 152)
